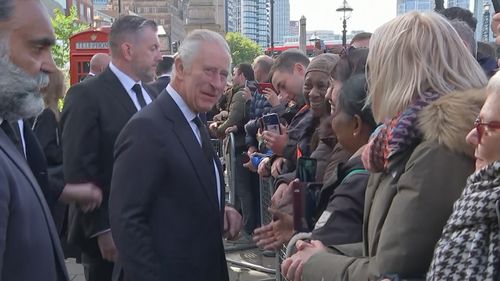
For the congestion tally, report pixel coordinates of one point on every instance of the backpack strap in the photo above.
(355, 172)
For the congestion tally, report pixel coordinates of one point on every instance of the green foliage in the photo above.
(64, 28)
(242, 48)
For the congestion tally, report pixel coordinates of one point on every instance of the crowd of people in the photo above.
(403, 129)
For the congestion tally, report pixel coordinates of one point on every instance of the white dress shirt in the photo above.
(128, 83)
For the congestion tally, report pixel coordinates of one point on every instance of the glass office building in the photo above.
(255, 21)
(233, 15)
(459, 3)
(281, 20)
(405, 6)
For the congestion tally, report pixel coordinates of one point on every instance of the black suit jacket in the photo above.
(94, 113)
(160, 84)
(165, 216)
(29, 244)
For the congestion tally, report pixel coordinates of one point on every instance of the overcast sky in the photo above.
(321, 14)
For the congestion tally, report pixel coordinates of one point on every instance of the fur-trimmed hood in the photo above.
(450, 118)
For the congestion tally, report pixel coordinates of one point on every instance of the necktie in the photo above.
(205, 140)
(10, 131)
(138, 92)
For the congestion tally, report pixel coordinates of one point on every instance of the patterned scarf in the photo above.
(396, 135)
(469, 248)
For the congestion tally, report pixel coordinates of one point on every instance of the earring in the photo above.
(354, 134)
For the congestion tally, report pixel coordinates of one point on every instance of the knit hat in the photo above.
(323, 63)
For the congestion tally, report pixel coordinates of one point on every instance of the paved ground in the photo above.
(236, 272)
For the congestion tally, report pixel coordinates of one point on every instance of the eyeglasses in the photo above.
(480, 127)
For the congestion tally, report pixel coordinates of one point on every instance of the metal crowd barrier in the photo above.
(230, 160)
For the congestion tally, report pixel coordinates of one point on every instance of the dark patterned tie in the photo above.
(205, 140)
(138, 92)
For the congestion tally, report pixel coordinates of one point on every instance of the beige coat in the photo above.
(407, 207)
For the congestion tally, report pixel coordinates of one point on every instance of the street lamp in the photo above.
(346, 11)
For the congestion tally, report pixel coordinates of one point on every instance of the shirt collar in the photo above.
(125, 80)
(186, 111)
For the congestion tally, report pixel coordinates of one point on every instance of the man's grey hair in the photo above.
(125, 27)
(466, 34)
(191, 45)
(6, 7)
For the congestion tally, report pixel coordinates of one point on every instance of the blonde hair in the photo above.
(414, 53)
(54, 91)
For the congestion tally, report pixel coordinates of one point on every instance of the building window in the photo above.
(82, 11)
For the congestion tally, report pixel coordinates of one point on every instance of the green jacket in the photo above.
(236, 116)
(407, 207)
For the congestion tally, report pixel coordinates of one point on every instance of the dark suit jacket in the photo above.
(94, 113)
(29, 244)
(165, 216)
(160, 84)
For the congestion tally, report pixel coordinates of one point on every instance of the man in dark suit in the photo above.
(29, 244)
(94, 113)
(163, 73)
(98, 63)
(167, 206)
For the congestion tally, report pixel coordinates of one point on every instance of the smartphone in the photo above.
(263, 86)
(496, 5)
(271, 122)
(299, 206)
(306, 169)
(253, 86)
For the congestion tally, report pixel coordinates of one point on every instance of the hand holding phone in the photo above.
(262, 86)
(271, 122)
(270, 94)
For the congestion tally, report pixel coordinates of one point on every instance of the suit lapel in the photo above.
(191, 147)
(10, 150)
(151, 91)
(116, 88)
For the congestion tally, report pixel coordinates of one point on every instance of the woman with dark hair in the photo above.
(339, 214)
(340, 207)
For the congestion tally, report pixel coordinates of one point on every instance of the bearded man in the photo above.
(29, 244)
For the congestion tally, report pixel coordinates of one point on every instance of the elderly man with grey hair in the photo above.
(168, 219)
(29, 243)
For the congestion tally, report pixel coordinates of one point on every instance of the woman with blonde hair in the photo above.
(46, 124)
(425, 89)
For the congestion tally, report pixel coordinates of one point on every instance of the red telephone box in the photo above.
(83, 46)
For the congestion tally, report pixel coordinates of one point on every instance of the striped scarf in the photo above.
(396, 135)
